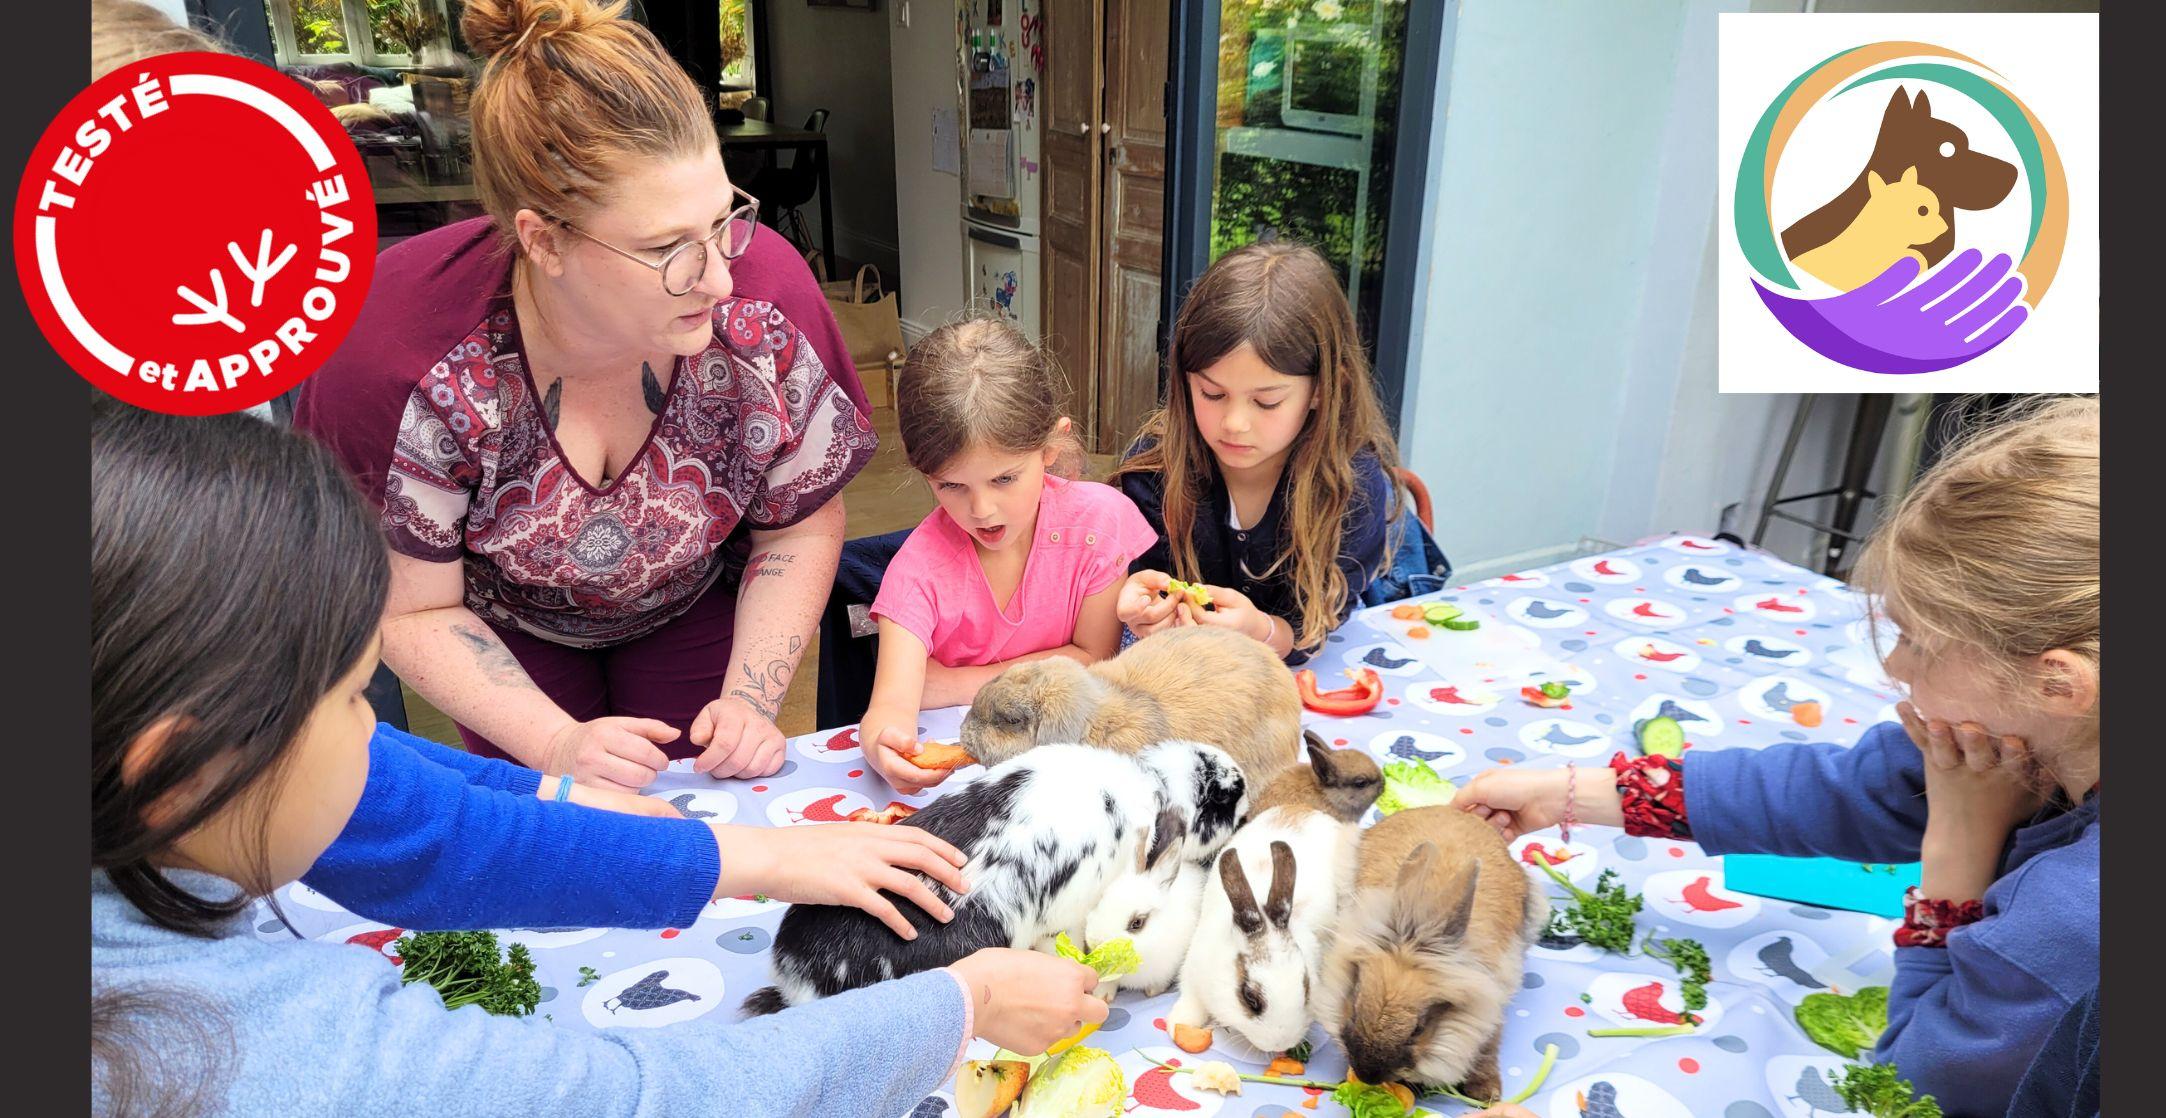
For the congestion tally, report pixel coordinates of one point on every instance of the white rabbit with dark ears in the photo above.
(1254, 968)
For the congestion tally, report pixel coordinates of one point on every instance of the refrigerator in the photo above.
(1002, 55)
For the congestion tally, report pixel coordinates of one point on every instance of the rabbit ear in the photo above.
(1166, 834)
(1246, 916)
(1348, 778)
(1454, 926)
(1279, 904)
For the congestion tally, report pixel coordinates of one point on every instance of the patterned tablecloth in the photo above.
(1724, 639)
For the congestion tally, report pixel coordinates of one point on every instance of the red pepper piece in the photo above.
(1346, 702)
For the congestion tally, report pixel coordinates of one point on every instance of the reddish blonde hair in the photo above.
(571, 93)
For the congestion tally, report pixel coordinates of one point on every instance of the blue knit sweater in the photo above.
(444, 840)
(1965, 1019)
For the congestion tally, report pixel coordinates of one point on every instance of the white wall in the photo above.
(1562, 381)
(928, 203)
(837, 59)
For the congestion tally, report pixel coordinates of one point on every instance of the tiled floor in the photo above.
(884, 496)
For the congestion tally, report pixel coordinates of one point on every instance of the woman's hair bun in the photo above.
(493, 27)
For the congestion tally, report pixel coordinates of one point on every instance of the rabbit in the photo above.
(1194, 683)
(1430, 951)
(1036, 863)
(1253, 969)
(1156, 907)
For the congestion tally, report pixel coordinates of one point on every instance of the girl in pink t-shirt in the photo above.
(1019, 562)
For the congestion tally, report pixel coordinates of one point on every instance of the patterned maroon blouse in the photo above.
(754, 432)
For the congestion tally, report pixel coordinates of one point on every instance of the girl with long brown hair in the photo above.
(1268, 472)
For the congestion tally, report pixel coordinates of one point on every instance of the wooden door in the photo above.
(1073, 170)
(1133, 219)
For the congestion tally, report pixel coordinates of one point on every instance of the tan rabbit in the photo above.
(1193, 683)
(1432, 951)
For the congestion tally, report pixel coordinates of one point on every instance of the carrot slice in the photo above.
(1285, 1066)
(946, 757)
(1806, 714)
(1191, 1039)
(1310, 1102)
(1407, 612)
(1401, 1092)
(1419, 632)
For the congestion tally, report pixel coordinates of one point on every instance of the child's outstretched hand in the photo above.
(1140, 607)
(842, 864)
(1026, 1000)
(1518, 801)
(623, 803)
(888, 753)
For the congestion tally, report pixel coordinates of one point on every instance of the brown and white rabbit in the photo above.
(1254, 969)
(1193, 683)
(1430, 952)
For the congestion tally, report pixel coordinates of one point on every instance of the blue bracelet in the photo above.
(564, 788)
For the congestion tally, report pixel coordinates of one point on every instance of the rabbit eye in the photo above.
(1008, 718)
(1252, 998)
(1136, 922)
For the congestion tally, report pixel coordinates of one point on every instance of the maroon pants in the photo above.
(667, 675)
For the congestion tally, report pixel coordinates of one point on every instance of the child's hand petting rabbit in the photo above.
(842, 864)
(1518, 801)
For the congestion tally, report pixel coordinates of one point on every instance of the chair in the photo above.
(782, 189)
(754, 108)
(1414, 487)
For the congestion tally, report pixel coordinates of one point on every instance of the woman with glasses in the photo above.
(605, 427)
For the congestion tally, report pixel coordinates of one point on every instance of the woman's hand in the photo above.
(623, 803)
(613, 753)
(842, 864)
(1142, 609)
(888, 751)
(1025, 1000)
(737, 740)
(1518, 801)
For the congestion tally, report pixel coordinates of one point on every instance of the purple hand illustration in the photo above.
(1883, 328)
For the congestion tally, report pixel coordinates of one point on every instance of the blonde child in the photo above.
(1990, 570)
(1018, 563)
(1268, 472)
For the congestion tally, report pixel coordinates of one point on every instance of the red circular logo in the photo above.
(195, 233)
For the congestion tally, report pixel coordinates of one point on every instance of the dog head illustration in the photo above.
(1911, 136)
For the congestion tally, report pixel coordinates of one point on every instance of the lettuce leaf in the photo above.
(1413, 784)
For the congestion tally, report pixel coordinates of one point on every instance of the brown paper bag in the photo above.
(870, 318)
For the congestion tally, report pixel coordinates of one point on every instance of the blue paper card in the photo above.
(1877, 888)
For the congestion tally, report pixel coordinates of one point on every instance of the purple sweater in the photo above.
(1965, 1019)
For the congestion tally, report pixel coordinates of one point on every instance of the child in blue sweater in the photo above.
(1990, 570)
(236, 585)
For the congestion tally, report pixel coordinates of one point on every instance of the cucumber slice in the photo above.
(1662, 737)
(1437, 613)
(1461, 624)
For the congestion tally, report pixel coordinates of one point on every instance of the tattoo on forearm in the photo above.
(767, 564)
(553, 402)
(496, 661)
(651, 388)
(767, 674)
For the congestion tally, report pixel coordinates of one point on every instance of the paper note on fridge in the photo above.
(992, 169)
(947, 140)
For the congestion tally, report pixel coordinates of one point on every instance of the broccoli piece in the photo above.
(1603, 917)
(1876, 1090)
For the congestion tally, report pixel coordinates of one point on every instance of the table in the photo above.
(751, 133)
(1728, 636)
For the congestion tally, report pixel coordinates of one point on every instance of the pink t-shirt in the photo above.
(935, 588)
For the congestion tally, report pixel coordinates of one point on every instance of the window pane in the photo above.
(1308, 108)
(405, 26)
(319, 27)
(737, 61)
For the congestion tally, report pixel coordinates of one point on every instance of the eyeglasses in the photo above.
(682, 266)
